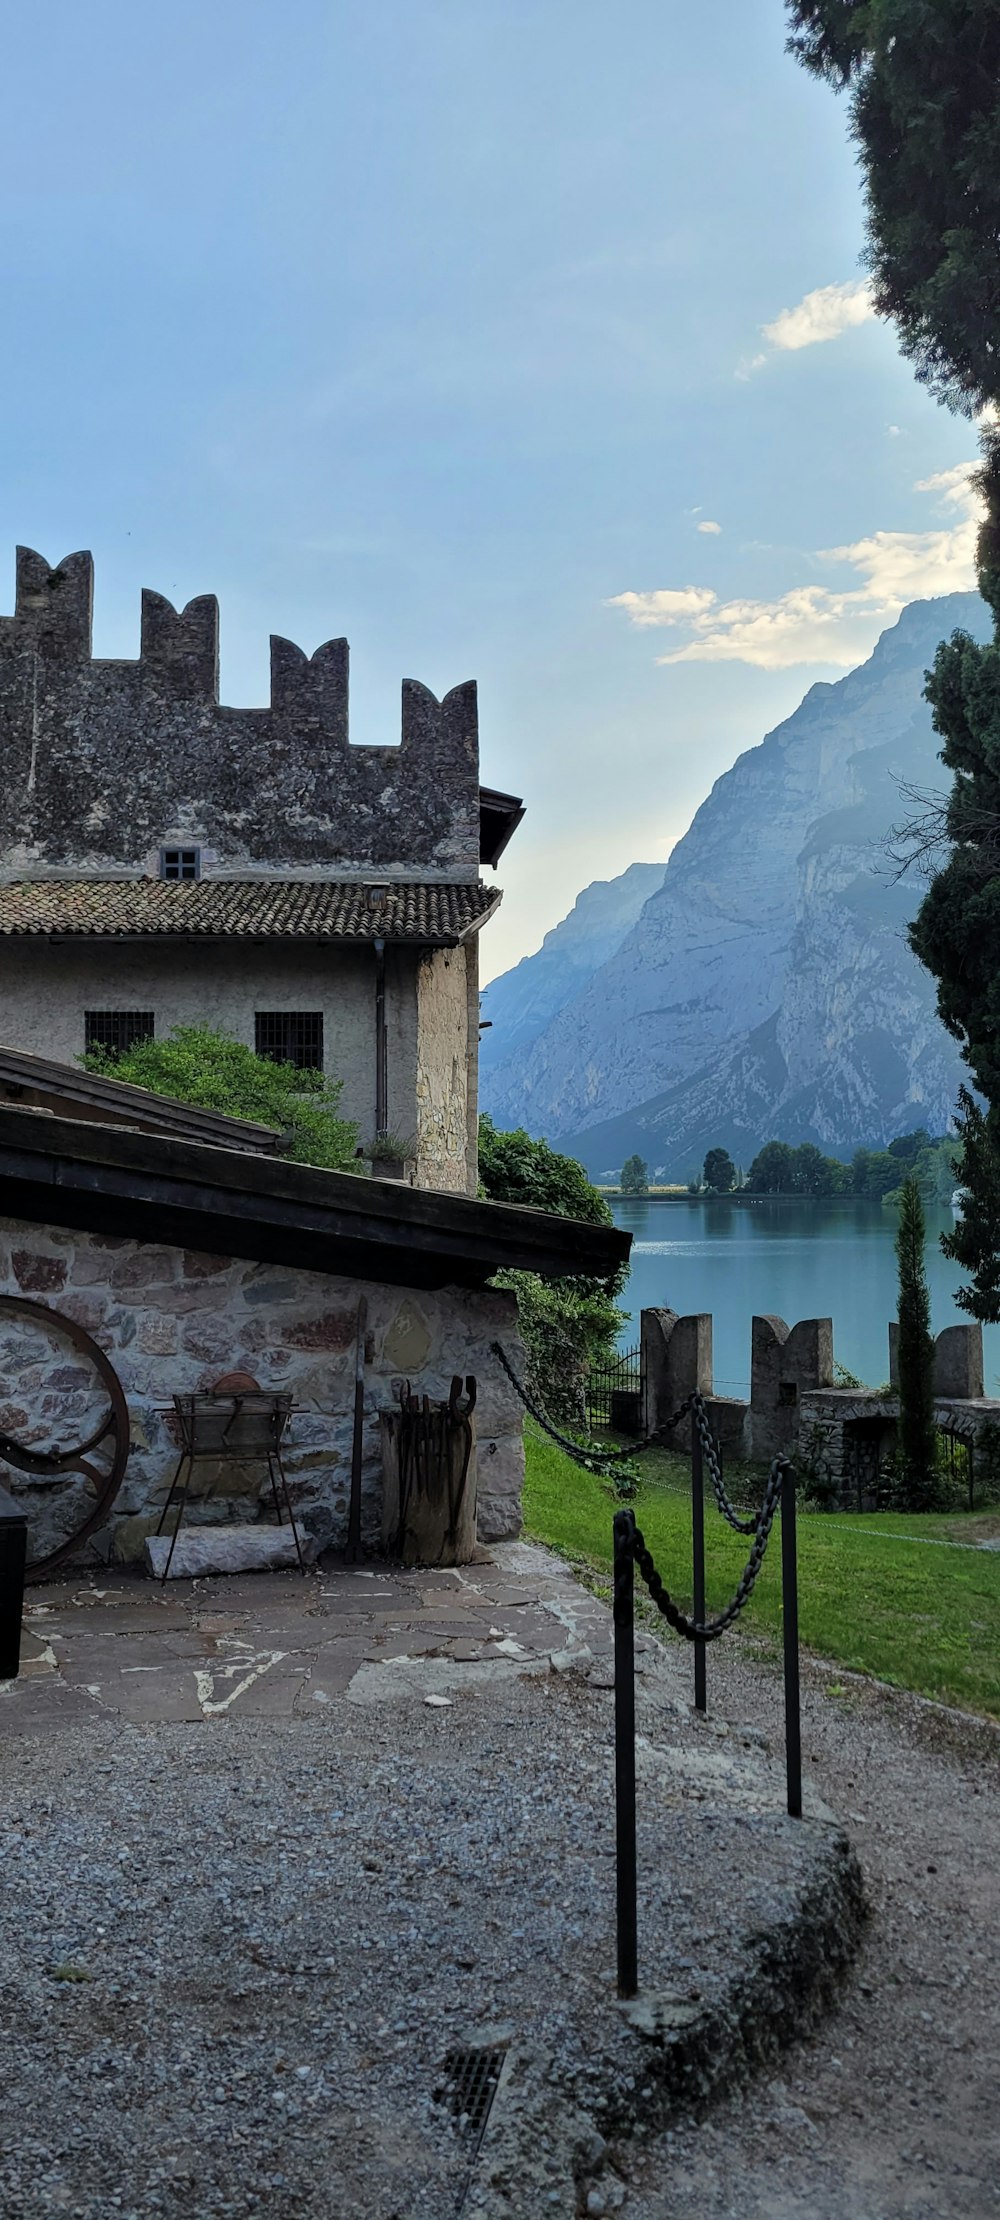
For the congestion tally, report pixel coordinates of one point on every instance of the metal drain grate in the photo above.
(471, 2079)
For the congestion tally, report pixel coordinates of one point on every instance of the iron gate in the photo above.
(615, 1393)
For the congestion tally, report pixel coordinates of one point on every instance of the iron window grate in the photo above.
(290, 1037)
(117, 1030)
(471, 2080)
(180, 863)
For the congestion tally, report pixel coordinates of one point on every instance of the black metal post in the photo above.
(628, 1947)
(790, 1628)
(698, 1562)
(13, 1551)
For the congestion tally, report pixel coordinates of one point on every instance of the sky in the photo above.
(522, 340)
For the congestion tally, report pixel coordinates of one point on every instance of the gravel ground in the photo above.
(893, 2110)
(235, 1948)
(234, 1953)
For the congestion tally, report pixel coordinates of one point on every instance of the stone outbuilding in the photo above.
(185, 1258)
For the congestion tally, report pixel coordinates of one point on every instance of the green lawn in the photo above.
(875, 1593)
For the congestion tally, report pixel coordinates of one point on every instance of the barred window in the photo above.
(180, 863)
(117, 1030)
(290, 1037)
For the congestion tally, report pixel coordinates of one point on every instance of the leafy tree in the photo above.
(816, 1174)
(874, 1173)
(923, 78)
(772, 1171)
(566, 1324)
(935, 1167)
(917, 1441)
(908, 1146)
(513, 1168)
(719, 1175)
(195, 1064)
(635, 1176)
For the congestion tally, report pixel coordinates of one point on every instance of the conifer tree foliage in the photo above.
(975, 1242)
(916, 1438)
(923, 80)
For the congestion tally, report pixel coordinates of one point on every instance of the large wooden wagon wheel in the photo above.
(87, 1488)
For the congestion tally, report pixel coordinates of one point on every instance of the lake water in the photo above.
(801, 1260)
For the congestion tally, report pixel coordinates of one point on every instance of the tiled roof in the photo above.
(423, 911)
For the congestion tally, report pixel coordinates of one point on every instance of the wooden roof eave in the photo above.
(115, 1180)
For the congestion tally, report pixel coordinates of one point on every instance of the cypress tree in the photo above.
(923, 82)
(916, 1440)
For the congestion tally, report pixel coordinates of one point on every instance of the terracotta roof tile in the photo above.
(427, 912)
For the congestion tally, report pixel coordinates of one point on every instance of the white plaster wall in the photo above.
(45, 987)
(173, 1320)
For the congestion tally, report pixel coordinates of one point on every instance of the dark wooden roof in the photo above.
(499, 817)
(39, 1082)
(153, 1187)
(432, 913)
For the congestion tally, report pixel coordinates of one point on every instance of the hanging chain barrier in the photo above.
(702, 1630)
(632, 1551)
(597, 1459)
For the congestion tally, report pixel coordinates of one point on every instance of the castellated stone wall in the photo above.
(172, 1320)
(102, 761)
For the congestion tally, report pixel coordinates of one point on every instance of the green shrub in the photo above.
(194, 1064)
(566, 1324)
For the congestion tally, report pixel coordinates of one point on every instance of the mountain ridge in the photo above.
(768, 978)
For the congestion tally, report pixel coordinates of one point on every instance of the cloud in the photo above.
(826, 624)
(819, 316)
(668, 606)
(708, 526)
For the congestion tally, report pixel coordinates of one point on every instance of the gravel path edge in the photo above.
(547, 2142)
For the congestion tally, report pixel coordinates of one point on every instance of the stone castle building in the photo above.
(167, 860)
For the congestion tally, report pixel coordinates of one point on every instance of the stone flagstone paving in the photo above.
(274, 1645)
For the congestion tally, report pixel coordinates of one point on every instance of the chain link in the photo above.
(589, 1459)
(605, 1459)
(759, 1524)
(710, 1629)
(710, 1452)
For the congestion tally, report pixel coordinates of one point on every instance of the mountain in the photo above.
(521, 1003)
(766, 988)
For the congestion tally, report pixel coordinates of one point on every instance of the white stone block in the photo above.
(225, 1549)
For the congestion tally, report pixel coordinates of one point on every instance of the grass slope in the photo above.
(876, 1594)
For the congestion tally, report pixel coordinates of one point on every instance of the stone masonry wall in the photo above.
(442, 1085)
(173, 1320)
(104, 760)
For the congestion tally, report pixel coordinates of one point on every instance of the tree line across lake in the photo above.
(781, 1169)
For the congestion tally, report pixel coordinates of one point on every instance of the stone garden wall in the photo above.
(172, 1320)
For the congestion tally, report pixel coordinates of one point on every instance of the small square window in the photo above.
(180, 863)
(290, 1037)
(117, 1030)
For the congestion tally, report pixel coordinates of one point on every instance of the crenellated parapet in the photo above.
(103, 760)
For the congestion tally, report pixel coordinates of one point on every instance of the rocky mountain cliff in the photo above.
(766, 988)
(521, 1003)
